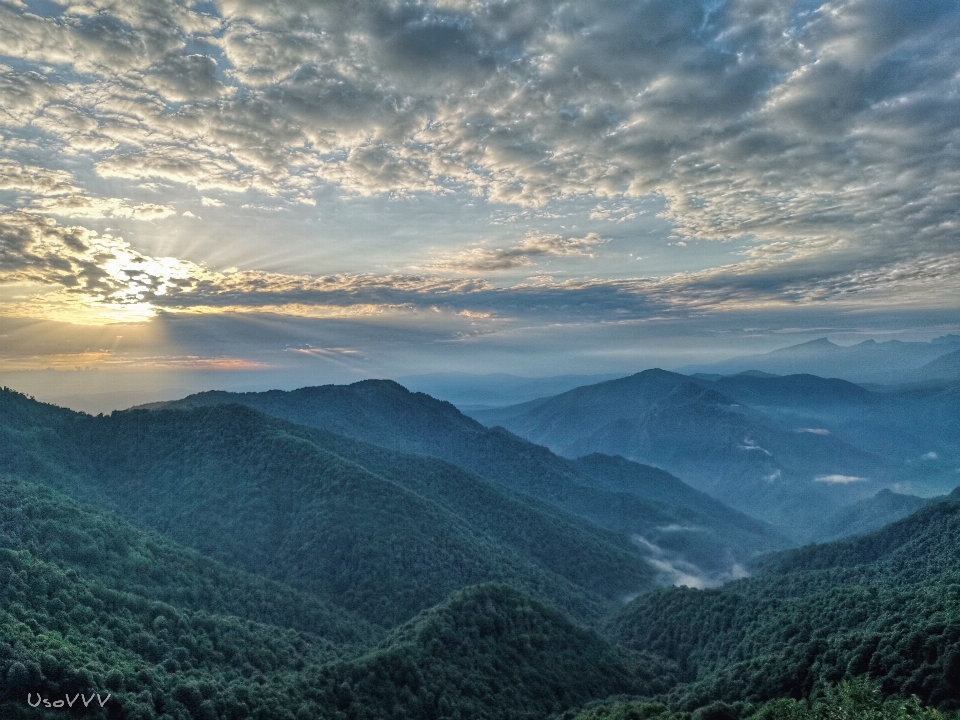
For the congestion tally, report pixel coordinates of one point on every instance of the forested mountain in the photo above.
(790, 449)
(720, 446)
(868, 515)
(686, 527)
(274, 570)
(92, 604)
(883, 605)
(294, 504)
(901, 424)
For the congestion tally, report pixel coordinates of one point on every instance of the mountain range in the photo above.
(891, 362)
(367, 552)
(882, 604)
(687, 532)
(788, 450)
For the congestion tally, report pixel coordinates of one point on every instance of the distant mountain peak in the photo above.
(819, 342)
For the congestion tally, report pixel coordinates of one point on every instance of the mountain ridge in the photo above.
(386, 414)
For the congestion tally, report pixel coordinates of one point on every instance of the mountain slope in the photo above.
(388, 415)
(725, 448)
(914, 429)
(792, 391)
(489, 652)
(279, 500)
(90, 604)
(945, 367)
(883, 604)
(868, 515)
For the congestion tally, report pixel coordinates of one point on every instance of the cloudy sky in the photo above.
(252, 193)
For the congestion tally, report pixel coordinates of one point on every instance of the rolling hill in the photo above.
(90, 604)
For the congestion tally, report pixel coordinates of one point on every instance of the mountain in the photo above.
(883, 604)
(801, 391)
(914, 428)
(90, 604)
(294, 505)
(686, 527)
(869, 361)
(494, 389)
(868, 515)
(945, 367)
(779, 472)
(488, 652)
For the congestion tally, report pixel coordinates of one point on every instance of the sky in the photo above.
(256, 193)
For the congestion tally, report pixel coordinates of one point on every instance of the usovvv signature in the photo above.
(67, 702)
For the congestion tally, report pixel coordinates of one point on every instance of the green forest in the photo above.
(215, 561)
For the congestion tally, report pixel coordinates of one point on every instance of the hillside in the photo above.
(90, 604)
(883, 604)
(489, 652)
(360, 602)
(276, 499)
(868, 515)
(388, 415)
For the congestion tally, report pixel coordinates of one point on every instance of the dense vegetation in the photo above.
(277, 571)
(296, 505)
(625, 497)
(884, 604)
(849, 700)
(81, 613)
(89, 603)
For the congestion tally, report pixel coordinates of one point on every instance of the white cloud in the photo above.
(838, 479)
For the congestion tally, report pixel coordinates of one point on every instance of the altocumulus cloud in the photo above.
(534, 245)
(825, 134)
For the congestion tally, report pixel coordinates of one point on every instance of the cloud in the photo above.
(820, 135)
(82, 206)
(534, 245)
(186, 78)
(54, 193)
(838, 479)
